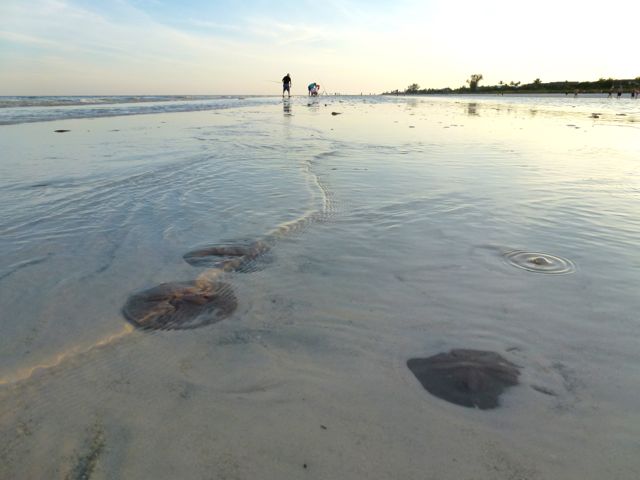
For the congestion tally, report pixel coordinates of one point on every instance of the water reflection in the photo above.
(286, 107)
(313, 104)
(411, 103)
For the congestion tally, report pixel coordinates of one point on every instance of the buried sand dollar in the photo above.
(539, 262)
(180, 306)
(471, 378)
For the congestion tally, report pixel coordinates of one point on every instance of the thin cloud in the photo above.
(214, 25)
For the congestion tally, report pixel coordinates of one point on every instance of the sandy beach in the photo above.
(391, 225)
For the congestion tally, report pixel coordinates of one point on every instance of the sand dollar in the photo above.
(470, 378)
(226, 256)
(179, 306)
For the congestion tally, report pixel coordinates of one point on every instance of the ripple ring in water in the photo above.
(539, 262)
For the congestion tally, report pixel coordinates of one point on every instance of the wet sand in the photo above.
(411, 213)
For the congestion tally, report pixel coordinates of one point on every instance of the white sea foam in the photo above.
(15, 110)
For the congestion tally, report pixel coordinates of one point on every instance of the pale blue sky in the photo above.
(218, 47)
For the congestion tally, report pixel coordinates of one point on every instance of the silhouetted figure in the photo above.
(286, 85)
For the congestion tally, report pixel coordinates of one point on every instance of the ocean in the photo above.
(334, 239)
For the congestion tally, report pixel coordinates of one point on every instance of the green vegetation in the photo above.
(603, 85)
(473, 81)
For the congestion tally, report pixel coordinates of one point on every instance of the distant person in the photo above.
(610, 92)
(575, 94)
(619, 92)
(286, 85)
(311, 87)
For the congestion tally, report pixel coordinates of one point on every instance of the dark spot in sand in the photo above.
(86, 463)
(544, 390)
(323, 427)
(180, 306)
(185, 390)
(336, 113)
(24, 428)
(470, 378)
(569, 378)
(61, 131)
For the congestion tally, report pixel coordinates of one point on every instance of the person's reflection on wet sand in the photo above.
(286, 107)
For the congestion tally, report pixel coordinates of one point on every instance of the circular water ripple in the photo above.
(539, 262)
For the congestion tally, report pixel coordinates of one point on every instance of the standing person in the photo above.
(286, 85)
(619, 92)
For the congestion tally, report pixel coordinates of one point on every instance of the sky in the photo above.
(209, 47)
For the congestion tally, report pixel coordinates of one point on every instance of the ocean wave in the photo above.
(15, 110)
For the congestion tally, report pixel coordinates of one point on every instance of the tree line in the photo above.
(472, 85)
